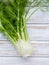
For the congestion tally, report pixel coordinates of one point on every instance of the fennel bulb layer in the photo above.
(24, 48)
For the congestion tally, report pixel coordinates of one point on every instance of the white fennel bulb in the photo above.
(24, 48)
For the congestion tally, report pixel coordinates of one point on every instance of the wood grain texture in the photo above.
(38, 30)
(22, 61)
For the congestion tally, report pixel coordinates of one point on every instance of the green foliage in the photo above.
(13, 15)
(12, 19)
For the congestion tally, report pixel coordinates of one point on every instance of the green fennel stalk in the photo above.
(13, 25)
(13, 18)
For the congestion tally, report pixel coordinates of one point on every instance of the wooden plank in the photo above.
(40, 49)
(38, 21)
(38, 32)
(22, 61)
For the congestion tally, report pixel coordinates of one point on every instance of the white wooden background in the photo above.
(38, 29)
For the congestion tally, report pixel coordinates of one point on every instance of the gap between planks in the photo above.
(38, 26)
(33, 42)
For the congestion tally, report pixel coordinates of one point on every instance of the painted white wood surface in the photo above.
(38, 30)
